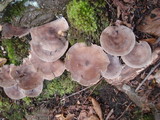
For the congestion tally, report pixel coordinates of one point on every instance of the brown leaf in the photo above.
(97, 108)
(151, 23)
(93, 117)
(150, 40)
(2, 61)
(61, 117)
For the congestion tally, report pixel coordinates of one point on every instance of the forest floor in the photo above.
(60, 99)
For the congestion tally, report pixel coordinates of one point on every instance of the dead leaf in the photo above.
(97, 108)
(61, 117)
(150, 40)
(83, 115)
(93, 117)
(151, 23)
(2, 61)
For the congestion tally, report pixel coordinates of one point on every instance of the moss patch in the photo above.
(13, 11)
(58, 86)
(16, 48)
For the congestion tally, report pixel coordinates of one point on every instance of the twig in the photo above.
(109, 114)
(152, 70)
(76, 93)
(124, 111)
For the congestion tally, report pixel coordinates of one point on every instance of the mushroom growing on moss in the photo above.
(50, 70)
(14, 92)
(140, 56)
(27, 77)
(8, 31)
(117, 40)
(86, 62)
(6, 80)
(48, 41)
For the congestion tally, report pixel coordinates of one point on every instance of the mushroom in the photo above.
(140, 56)
(45, 55)
(8, 31)
(49, 70)
(14, 92)
(48, 40)
(86, 62)
(34, 92)
(6, 79)
(27, 77)
(113, 69)
(117, 40)
(126, 75)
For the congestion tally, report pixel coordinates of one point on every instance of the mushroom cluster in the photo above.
(48, 44)
(85, 63)
(119, 41)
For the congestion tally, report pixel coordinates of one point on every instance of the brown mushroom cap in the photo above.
(27, 77)
(86, 62)
(117, 40)
(140, 56)
(34, 92)
(14, 92)
(48, 56)
(53, 38)
(114, 68)
(8, 31)
(6, 79)
(49, 70)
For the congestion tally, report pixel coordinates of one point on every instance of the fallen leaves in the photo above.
(151, 23)
(2, 61)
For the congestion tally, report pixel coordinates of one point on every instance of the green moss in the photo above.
(17, 49)
(139, 115)
(11, 110)
(59, 86)
(13, 11)
(77, 32)
(82, 15)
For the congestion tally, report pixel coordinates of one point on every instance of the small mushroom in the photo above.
(49, 70)
(27, 77)
(117, 40)
(14, 92)
(86, 62)
(140, 56)
(126, 75)
(6, 79)
(34, 92)
(114, 68)
(8, 31)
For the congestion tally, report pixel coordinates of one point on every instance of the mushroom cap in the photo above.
(86, 62)
(6, 79)
(8, 31)
(49, 70)
(140, 56)
(114, 68)
(53, 38)
(117, 40)
(34, 92)
(126, 75)
(48, 56)
(14, 92)
(27, 77)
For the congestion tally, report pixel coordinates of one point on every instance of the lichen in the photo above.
(17, 49)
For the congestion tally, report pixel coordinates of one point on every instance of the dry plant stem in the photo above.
(109, 114)
(75, 93)
(124, 111)
(152, 70)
